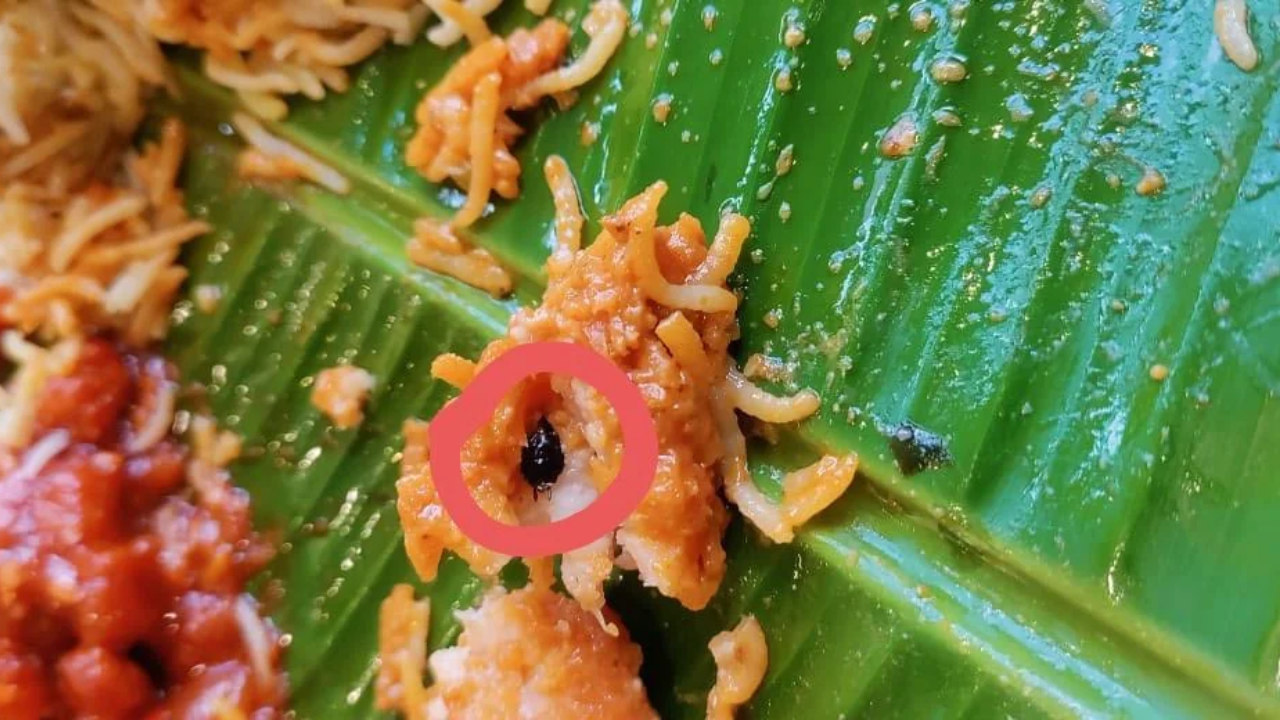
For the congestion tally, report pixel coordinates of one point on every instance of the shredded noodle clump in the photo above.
(653, 299)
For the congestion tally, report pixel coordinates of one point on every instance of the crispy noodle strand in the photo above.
(682, 339)
(435, 247)
(98, 258)
(644, 261)
(471, 22)
(757, 403)
(272, 48)
(269, 156)
(724, 252)
(564, 192)
(484, 119)
(453, 369)
(606, 25)
(448, 32)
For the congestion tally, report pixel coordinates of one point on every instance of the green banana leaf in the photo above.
(1065, 536)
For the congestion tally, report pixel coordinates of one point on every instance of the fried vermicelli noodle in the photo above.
(100, 258)
(651, 298)
(267, 50)
(74, 75)
(466, 133)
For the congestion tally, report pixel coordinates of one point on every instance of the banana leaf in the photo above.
(1066, 394)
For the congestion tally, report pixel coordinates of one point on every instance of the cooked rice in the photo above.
(741, 656)
(653, 300)
(267, 50)
(531, 653)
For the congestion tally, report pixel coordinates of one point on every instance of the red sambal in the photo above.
(121, 572)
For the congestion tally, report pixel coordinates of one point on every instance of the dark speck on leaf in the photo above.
(542, 458)
(917, 449)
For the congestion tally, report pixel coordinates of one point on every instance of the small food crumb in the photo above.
(716, 57)
(1151, 182)
(207, 298)
(782, 81)
(784, 211)
(741, 656)
(1019, 108)
(921, 17)
(786, 159)
(844, 58)
(686, 137)
(590, 133)
(665, 17)
(767, 367)
(948, 70)
(773, 318)
(662, 108)
(1231, 25)
(651, 40)
(1041, 196)
(340, 393)
(1117, 305)
(946, 118)
(1159, 372)
(900, 139)
(793, 37)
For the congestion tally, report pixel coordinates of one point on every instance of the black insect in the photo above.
(917, 449)
(542, 458)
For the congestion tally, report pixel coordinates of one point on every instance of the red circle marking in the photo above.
(460, 419)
